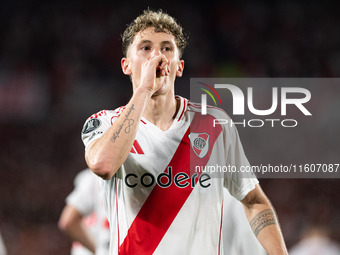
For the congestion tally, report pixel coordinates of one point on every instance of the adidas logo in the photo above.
(136, 149)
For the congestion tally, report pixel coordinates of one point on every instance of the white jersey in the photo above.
(238, 237)
(87, 199)
(315, 245)
(157, 202)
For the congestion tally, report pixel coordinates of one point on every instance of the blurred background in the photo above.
(60, 63)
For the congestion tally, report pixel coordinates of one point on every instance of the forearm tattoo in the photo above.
(262, 220)
(129, 122)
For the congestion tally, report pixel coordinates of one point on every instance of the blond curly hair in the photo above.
(161, 22)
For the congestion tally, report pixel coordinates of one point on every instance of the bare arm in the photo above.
(71, 224)
(263, 221)
(105, 155)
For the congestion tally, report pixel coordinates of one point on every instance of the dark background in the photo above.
(60, 62)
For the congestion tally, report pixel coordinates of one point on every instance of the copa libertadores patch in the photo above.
(91, 125)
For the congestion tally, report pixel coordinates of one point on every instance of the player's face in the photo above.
(148, 43)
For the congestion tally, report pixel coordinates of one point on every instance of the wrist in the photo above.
(142, 92)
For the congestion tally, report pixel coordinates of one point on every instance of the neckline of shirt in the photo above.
(178, 118)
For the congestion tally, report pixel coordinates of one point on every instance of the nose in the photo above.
(156, 52)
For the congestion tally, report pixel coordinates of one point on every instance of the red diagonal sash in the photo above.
(163, 204)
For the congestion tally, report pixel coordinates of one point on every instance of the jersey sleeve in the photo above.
(237, 182)
(82, 196)
(96, 125)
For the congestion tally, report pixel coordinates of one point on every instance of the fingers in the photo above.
(164, 65)
(161, 64)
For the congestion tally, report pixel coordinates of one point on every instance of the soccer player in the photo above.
(146, 153)
(83, 218)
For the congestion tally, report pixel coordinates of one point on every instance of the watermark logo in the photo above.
(207, 90)
(281, 101)
(239, 101)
